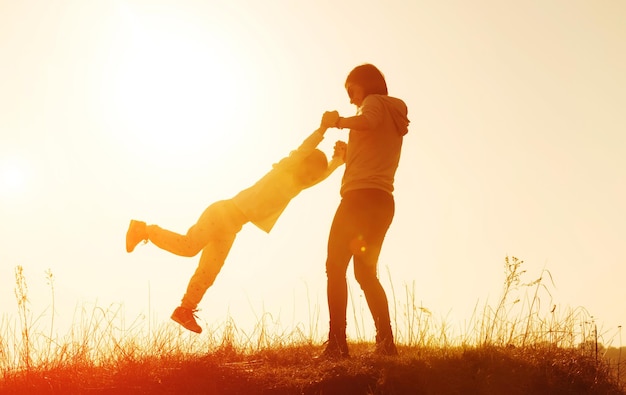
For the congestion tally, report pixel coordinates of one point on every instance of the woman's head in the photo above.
(365, 80)
(311, 169)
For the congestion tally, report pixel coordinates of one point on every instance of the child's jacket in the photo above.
(266, 200)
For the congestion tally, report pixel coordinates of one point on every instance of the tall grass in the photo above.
(525, 315)
(101, 335)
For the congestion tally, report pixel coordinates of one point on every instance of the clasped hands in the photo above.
(329, 119)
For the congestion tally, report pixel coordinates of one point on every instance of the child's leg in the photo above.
(184, 245)
(218, 218)
(225, 221)
(211, 261)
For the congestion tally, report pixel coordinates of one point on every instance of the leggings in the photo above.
(357, 233)
(213, 234)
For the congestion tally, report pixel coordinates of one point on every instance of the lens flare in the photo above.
(358, 246)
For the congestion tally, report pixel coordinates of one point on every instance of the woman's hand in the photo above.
(329, 119)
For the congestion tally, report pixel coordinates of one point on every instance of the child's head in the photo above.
(311, 169)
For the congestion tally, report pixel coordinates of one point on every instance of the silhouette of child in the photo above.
(215, 230)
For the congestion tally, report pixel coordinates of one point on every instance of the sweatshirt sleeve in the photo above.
(307, 146)
(376, 106)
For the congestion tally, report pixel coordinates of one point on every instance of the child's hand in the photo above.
(329, 119)
(340, 150)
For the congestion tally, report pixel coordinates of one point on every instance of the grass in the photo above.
(520, 345)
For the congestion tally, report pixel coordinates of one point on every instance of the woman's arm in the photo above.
(357, 122)
(331, 119)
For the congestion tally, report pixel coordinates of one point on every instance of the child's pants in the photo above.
(213, 234)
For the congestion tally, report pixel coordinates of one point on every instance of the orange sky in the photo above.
(152, 110)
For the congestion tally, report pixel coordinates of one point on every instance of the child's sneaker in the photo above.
(135, 234)
(186, 318)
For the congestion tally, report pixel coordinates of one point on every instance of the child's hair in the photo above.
(311, 168)
(369, 78)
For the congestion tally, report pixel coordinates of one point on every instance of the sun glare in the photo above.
(178, 85)
(12, 180)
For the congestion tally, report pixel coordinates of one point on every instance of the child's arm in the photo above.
(307, 146)
(311, 142)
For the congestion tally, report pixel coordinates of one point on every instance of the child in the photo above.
(215, 230)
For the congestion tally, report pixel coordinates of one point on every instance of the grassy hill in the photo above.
(295, 370)
(514, 347)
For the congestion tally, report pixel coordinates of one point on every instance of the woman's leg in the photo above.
(338, 258)
(377, 210)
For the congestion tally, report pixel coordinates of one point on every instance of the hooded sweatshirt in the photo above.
(373, 155)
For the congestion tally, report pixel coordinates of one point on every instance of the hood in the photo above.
(399, 113)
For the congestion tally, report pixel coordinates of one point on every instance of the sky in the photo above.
(152, 110)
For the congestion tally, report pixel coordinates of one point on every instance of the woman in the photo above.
(367, 204)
